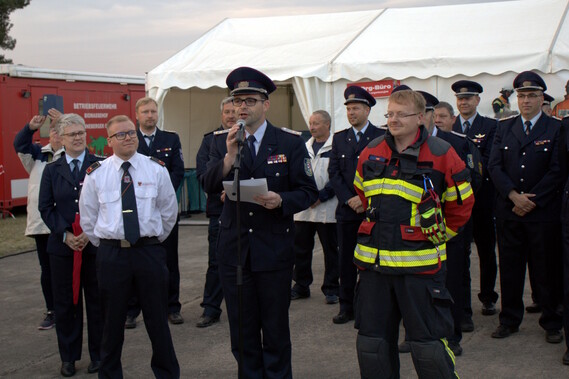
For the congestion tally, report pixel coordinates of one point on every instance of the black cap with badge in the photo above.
(529, 81)
(246, 80)
(356, 94)
(466, 88)
(430, 100)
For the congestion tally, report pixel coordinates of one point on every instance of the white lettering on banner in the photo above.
(96, 115)
(95, 126)
(94, 106)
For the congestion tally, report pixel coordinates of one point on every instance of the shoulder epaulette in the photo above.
(290, 131)
(99, 156)
(382, 127)
(170, 131)
(219, 132)
(93, 167)
(342, 131)
(557, 118)
(154, 159)
(508, 118)
(461, 135)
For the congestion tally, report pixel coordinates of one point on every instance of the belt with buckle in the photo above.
(142, 241)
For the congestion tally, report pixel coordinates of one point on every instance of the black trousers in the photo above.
(303, 250)
(212, 292)
(422, 301)
(174, 305)
(141, 270)
(69, 323)
(45, 278)
(484, 233)
(347, 240)
(534, 244)
(265, 329)
(458, 254)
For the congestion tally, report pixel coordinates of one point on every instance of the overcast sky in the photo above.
(132, 37)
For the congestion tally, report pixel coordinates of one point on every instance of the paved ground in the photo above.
(320, 348)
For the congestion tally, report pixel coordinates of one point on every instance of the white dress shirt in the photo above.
(100, 204)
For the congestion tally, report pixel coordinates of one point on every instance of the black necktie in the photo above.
(251, 140)
(129, 212)
(75, 171)
(149, 140)
(359, 136)
(466, 126)
(527, 127)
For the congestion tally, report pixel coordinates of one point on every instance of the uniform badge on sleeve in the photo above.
(307, 167)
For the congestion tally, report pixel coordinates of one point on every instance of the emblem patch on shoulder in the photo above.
(93, 167)
(154, 159)
(308, 167)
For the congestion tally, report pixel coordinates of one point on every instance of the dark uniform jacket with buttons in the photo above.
(267, 236)
(481, 132)
(527, 164)
(59, 202)
(166, 146)
(214, 205)
(342, 167)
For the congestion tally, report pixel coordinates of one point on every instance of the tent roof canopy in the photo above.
(385, 43)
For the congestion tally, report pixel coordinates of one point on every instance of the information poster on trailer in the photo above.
(378, 88)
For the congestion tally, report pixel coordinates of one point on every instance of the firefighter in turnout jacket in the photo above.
(416, 193)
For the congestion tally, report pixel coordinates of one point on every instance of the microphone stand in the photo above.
(240, 137)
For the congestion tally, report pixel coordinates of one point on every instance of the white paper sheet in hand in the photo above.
(249, 189)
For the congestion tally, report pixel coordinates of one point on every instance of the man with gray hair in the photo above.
(444, 116)
(319, 218)
(212, 293)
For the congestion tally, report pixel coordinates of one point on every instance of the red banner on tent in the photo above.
(378, 88)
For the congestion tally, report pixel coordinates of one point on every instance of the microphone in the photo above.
(240, 136)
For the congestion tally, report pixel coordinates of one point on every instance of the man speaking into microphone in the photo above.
(266, 226)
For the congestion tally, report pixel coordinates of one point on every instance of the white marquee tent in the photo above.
(427, 48)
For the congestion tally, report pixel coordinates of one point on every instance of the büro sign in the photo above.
(378, 88)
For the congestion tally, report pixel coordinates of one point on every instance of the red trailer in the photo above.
(95, 97)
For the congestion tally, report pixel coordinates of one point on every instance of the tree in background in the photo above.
(7, 7)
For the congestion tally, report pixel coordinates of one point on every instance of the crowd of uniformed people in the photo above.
(396, 206)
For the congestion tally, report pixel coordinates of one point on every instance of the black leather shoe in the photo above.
(503, 331)
(404, 347)
(566, 358)
(467, 325)
(175, 318)
(343, 317)
(488, 309)
(295, 295)
(93, 367)
(130, 322)
(553, 336)
(533, 308)
(68, 369)
(206, 321)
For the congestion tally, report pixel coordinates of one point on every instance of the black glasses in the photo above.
(248, 101)
(75, 134)
(122, 135)
(392, 115)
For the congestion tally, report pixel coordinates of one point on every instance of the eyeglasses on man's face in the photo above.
(122, 135)
(80, 133)
(250, 101)
(392, 115)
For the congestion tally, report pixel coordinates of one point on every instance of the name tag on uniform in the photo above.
(281, 158)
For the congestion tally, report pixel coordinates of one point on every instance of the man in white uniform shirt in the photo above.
(128, 207)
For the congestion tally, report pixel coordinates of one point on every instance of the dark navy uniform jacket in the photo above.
(481, 132)
(342, 167)
(267, 236)
(468, 152)
(59, 202)
(527, 164)
(214, 204)
(166, 147)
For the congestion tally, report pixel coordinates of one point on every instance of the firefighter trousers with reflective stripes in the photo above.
(423, 302)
